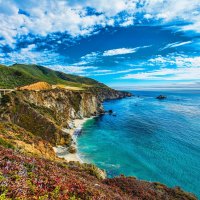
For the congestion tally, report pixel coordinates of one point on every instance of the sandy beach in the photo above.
(62, 151)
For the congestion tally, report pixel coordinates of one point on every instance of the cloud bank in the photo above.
(181, 68)
(83, 18)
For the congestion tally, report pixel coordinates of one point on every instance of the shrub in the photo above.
(17, 73)
(6, 144)
(5, 99)
(3, 196)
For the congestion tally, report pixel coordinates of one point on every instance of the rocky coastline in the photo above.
(50, 114)
(33, 123)
(41, 112)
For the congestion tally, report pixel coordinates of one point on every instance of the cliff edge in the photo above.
(33, 121)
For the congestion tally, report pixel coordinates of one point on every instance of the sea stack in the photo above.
(161, 97)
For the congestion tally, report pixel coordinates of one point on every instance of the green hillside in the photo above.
(11, 78)
(21, 75)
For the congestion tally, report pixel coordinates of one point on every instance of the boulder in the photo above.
(110, 111)
(161, 97)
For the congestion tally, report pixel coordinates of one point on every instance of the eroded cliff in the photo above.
(45, 113)
(32, 123)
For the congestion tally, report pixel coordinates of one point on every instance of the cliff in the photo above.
(46, 113)
(108, 93)
(32, 122)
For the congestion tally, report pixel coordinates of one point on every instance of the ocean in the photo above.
(151, 139)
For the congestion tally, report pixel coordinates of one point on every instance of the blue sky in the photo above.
(123, 43)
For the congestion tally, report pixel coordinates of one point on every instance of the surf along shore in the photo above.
(74, 131)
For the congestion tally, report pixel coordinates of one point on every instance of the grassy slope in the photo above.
(21, 74)
(11, 78)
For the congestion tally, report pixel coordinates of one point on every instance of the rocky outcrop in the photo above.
(15, 137)
(31, 123)
(161, 97)
(37, 86)
(46, 112)
(108, 94)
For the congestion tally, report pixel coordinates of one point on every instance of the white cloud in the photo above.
(111, 7)
(162, 9)
(167, 74)
(90, 55)
(181, 11)
(80, 70)
(94, 57)
(128, 22)
(31, 55)
(175, 44)
(195, 26)
(45, 17)
(148, 16)
(89, 58)
(182, 68)
(103, 71)
(177, 60)
(113, 72)
(122, 51)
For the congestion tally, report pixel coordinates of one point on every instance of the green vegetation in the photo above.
(25, 177)
(29, 168)
(47, 112)
(5, 99)
(19, 75)
(6, 144)
(11, 78)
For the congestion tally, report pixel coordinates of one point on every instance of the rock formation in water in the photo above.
(161, 97)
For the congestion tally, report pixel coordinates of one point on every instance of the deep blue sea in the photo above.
(155, 140)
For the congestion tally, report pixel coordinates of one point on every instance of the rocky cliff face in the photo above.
(109, 93)
(31, 122)
(45, 113)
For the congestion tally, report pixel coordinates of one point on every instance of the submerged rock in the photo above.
(161, 97)
(110, 111)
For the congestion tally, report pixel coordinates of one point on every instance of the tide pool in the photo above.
(155, 140)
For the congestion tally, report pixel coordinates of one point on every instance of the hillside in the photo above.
(11, 78)
(25, 177)
(19, 75)
(38, 118)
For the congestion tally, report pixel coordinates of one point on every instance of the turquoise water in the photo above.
(150, 139)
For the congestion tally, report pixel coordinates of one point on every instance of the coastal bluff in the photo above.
(33, 121)
(31, 124)
(45, 113)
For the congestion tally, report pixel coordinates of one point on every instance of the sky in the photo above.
(122, 43)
